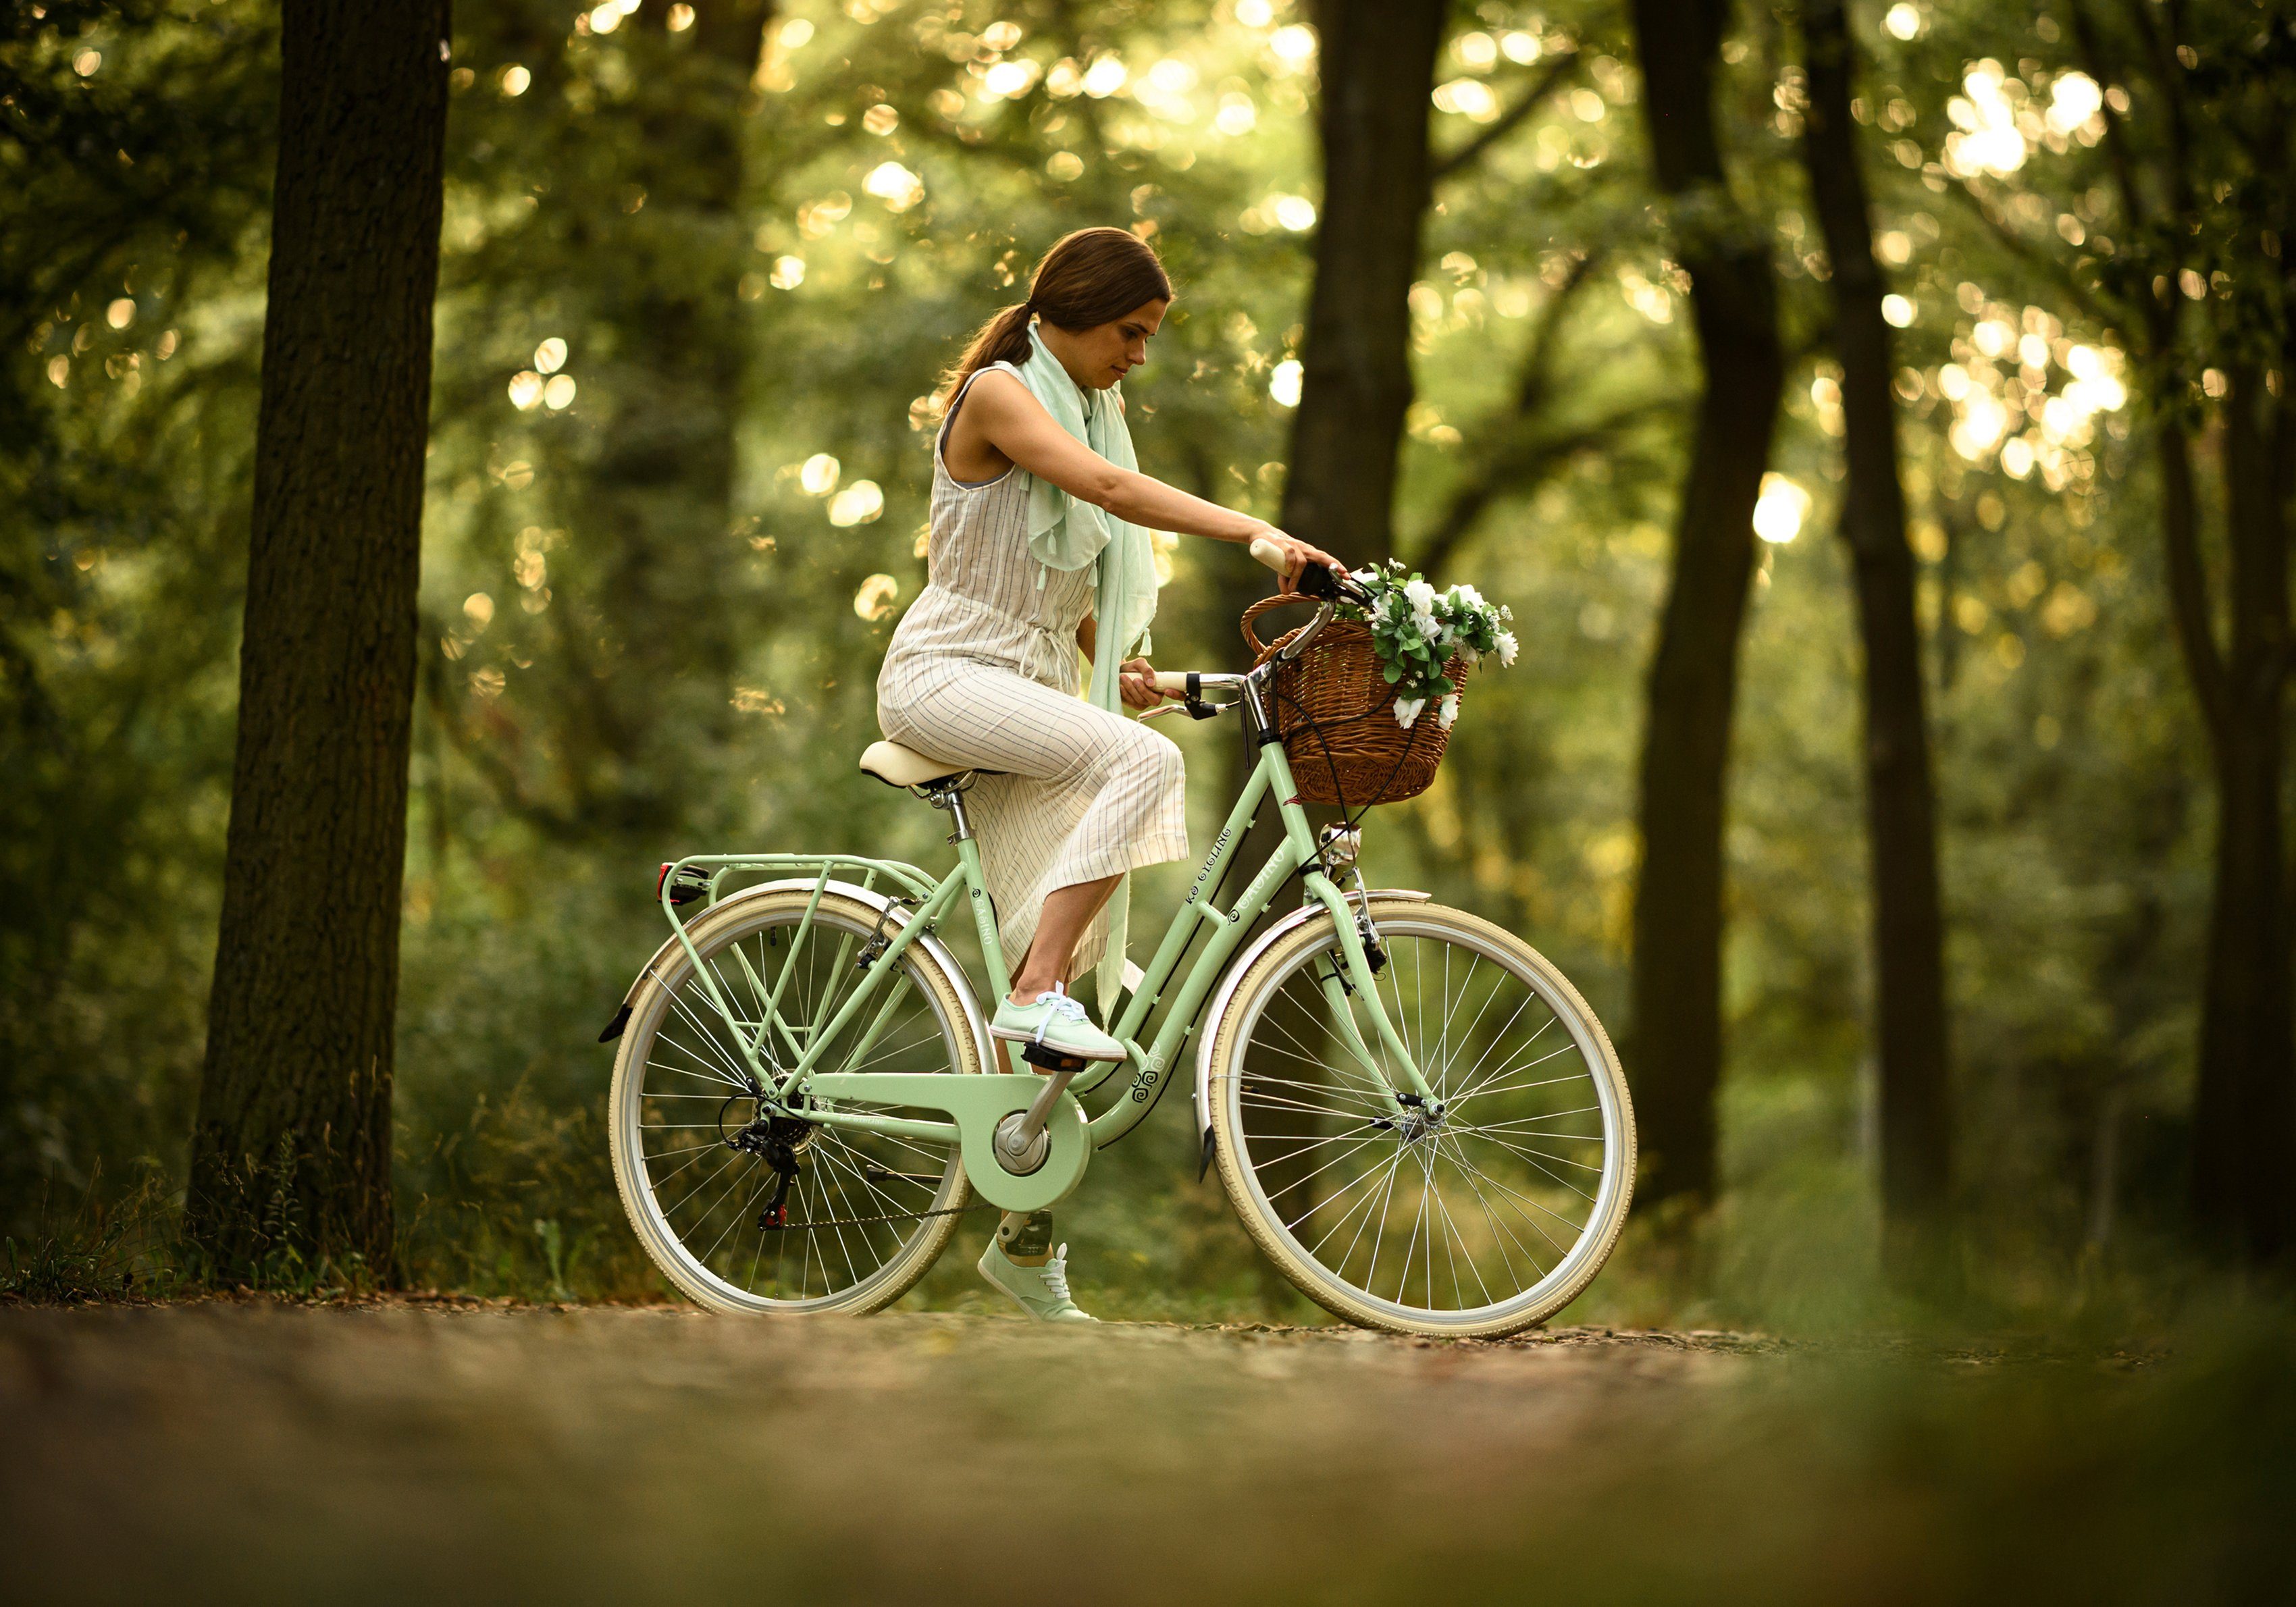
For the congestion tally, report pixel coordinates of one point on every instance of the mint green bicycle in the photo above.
(1414, 1115)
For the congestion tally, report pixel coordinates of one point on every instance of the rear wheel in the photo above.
(1482, 1212)
(702, 1166)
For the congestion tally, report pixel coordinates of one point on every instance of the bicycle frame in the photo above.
(802, 1086)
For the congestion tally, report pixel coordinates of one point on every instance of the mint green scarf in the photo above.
(1068, 533)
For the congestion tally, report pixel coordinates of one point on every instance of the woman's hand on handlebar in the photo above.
(1136, 681)
(1298, 555)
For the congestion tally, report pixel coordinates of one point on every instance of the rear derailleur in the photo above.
(779, 1140)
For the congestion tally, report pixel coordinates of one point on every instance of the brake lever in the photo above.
(1327, 585)
(1196, 709)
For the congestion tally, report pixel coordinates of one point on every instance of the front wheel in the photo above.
(1480, 1212)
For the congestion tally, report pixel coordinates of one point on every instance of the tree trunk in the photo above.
(1377, 70)
(1677, 920)
(2244, 1112)
(1375, 75)
(291, 1153)
(1909, 1026)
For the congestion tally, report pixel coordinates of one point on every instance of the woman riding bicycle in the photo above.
(1039, 552)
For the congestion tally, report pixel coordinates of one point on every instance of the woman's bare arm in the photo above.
(1014, 422)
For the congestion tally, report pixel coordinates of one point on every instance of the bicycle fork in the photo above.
(1353, 977)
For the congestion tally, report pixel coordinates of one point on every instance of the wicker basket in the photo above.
(1336, 712)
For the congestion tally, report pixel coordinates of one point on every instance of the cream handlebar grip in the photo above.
(1172, 682)
(1270, 552)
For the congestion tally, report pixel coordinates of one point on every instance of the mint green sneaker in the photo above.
(1042, 1291)
(1055, 1022)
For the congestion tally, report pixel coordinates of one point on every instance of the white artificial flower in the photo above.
(1407, 709)
(1427, 625)
(1366, 575)
(1420, 594)
(1506, 648)
(1467, 595)
(1448, 710)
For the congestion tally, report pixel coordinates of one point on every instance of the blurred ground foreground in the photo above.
(257, 1452)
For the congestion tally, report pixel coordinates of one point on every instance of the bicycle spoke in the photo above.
(1452, 1227)
(1465, 1165)
(1489, 1087)
(735, 1220)
(1261, 1079)
(1269, 1101)
(1373, 1200)
(1524, 1121)
(1527, 1153)
(1471, 1083)
(1475, 1186)
(1336, 1160)
(732, 1065)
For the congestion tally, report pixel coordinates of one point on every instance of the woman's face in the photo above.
(1099, 357)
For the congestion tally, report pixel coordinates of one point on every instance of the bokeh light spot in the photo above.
(874, 600)
(1780, 510)
(857, 503)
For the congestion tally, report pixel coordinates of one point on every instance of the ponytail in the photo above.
(1004, 338)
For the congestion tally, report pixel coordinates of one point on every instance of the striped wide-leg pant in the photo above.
(1081, 793)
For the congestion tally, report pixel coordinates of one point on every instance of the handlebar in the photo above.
(1269, 552)
(1174, 683)
(1328, 586)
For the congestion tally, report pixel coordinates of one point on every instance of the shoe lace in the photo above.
(1063, 1004)
(1055, 1272)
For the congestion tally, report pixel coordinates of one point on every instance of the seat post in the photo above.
(952, 799)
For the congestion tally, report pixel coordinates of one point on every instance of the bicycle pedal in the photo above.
(1052, 1060)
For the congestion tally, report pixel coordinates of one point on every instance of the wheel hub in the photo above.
(1416, 1121)
(774, 1137)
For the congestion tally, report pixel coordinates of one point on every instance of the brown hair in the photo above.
(1091, 277)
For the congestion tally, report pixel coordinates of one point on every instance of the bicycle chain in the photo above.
(952, 1211)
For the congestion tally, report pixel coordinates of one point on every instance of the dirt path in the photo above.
(257, 1452)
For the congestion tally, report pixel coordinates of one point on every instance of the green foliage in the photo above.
(135, 174)
(655, 597)
(113, 1243)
